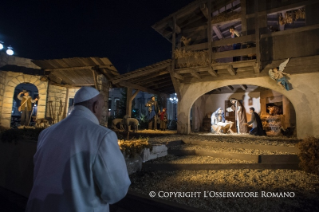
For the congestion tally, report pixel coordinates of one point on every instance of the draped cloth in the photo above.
(284, 82)
(258, 130)
(152, 109)
(240, 116)
(217, 119)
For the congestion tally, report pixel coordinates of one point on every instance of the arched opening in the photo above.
(16, 115)
(275, 109)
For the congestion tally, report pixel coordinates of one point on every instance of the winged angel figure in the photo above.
(279, 75)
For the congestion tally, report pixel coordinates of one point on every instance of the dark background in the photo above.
(117, 29)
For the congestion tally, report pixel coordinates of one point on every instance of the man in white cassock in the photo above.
(78, 165)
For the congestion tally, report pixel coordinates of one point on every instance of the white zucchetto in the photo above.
(85, 94)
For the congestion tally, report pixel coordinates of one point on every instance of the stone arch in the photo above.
(303, 97)
(12, 81)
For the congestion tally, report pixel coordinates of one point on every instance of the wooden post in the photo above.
(128, 102)
(171, 68)
(209, 31)
(174, 39)
(243, 17)
(129, 99)
(95, 80)
(66, 103)
(257, 68)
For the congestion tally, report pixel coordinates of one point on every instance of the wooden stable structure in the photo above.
(77, 72)
(202, 56)
(56, 81)
(202, 50)
(155, 79)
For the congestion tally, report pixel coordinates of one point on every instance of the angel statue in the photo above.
(278, 75)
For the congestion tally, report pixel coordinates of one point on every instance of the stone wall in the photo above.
(2, 85)
(11, 80)
(303, 97)
(198, 113)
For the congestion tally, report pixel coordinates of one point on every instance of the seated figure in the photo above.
(219, 124)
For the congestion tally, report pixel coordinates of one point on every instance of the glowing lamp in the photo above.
(1, 46)
(10, 51)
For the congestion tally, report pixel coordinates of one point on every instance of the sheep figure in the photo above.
(116, 122)
(131, 122)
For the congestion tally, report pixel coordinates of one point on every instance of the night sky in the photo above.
(118, 29)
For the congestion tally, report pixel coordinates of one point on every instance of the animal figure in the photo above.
(131, 122)
(287, 132)
(273, 110)
(185, 40)
(43, 123)
(116, 122)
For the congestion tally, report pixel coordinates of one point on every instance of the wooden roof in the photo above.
(191, 21)
(77, 71)
(155, 78)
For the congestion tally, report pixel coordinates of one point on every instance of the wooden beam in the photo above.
(177, 76)
(204, 10)
(194, 74)
(291, 31)
(154, 81)
(257, 33)
(225, 22)
(209, 31)
(223, 42)
(244, 87)
(212, 72)
(194, 29)
(76, 68)
(137, 87)
(158, 82)
(138, 73)
(217, 55)
(95, 80)
(234, 53)
(194, 47)
(177, 28)
(294, 6)
(230, 41)
(128, 111)
(218, 33)
(231, 70)
(81, 85)
(230, 88)
(149, 77)
(171, 69)
(243, 17)
(256, 68)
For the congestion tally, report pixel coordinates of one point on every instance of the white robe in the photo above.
(78, 166)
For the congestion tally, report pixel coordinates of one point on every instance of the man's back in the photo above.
(78, 166)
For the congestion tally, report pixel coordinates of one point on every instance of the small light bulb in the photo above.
(10, 51)
(1, 46)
